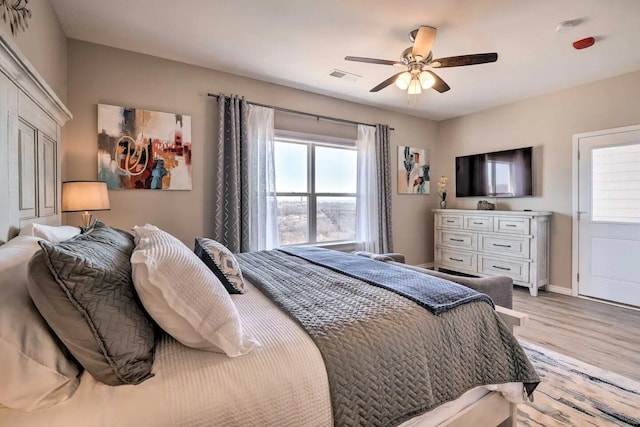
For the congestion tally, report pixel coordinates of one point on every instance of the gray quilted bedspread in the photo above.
(433, 293)
(387, 358)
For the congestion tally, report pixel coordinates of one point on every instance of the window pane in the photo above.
(291, 167)
(335, 170)
(503, 178)
(615, 183)
(499, 178)
(336, 218)
(293, 219)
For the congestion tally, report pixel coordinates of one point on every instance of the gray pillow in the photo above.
(221, 262)
(83, 289)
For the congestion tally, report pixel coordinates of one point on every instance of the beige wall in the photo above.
(99, 74)
(44, 44)
(547, 123)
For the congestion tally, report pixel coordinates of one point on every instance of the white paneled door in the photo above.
(609, 215)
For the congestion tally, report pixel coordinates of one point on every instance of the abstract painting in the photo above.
(413, 170)
(143, 149)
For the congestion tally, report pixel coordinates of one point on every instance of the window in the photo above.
(315, 190)
(615, 182)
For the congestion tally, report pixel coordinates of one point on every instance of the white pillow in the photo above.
(183, 296)
(50, 233)
(36, 370)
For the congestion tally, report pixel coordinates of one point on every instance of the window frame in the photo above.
(312, 141)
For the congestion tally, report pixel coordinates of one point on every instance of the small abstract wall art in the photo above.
(143, 149)
(413, 170)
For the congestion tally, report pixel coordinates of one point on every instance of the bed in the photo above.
(283, 382)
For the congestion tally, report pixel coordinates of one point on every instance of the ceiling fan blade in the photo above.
(424, 41)
(459, 61)
(391, 80)
(372, 60)
(440, 85)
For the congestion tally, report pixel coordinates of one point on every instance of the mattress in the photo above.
(282, 383)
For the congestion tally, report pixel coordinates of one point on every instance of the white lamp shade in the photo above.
(403, 80)
(414, 87)
(426, 80)
(82, 196)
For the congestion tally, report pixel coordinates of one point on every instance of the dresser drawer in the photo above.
(478, 223)
(511, 246)
(455, 260)
(517, 270)
(458, 239)
(512, 225)
(450, 221)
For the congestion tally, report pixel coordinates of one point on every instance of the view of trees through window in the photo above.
(316, 192)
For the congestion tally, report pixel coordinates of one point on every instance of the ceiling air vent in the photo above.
(344, 75)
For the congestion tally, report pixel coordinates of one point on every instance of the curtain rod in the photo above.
(302, 113)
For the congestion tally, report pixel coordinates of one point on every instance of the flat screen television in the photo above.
(499, 174)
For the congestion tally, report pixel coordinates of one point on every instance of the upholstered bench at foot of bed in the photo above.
(499, 288)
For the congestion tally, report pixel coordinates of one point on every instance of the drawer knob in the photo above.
(501, 268)
(450, 221)
(456, 259)
(477, 223)
(456, 240)
(501, 246)
(510, 225)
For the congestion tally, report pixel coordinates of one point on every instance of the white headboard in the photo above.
(31, 117)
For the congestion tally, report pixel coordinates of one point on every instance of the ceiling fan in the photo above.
(418, 58)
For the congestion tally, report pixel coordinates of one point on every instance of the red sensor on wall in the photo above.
(584, 43)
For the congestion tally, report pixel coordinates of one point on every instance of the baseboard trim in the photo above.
(566, 291)
(602, 301)
(558, 289)
(426, 265)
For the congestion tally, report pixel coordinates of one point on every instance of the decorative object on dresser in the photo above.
(494, 243)
(143, 149)
(413, 170)
(442, 191)
(484, 205)
(85, 196)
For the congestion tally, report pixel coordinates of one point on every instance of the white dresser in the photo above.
(494, 243)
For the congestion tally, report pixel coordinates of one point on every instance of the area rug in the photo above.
(573, 393)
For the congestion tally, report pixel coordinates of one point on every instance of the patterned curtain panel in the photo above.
(383, 160)
(232, 176)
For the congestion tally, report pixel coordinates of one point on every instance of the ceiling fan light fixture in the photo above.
(426, 80)
(404, 80)
(419, 61)
(414, 87)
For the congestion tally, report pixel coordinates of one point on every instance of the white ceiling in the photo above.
(297, 43)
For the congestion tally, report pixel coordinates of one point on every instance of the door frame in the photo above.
(575, 230)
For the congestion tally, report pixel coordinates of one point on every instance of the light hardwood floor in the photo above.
(599, 334)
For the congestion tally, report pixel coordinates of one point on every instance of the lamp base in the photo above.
(87, 220)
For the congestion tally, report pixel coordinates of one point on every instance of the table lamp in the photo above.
(85, 196)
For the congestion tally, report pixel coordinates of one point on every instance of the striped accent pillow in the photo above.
(221, 262)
